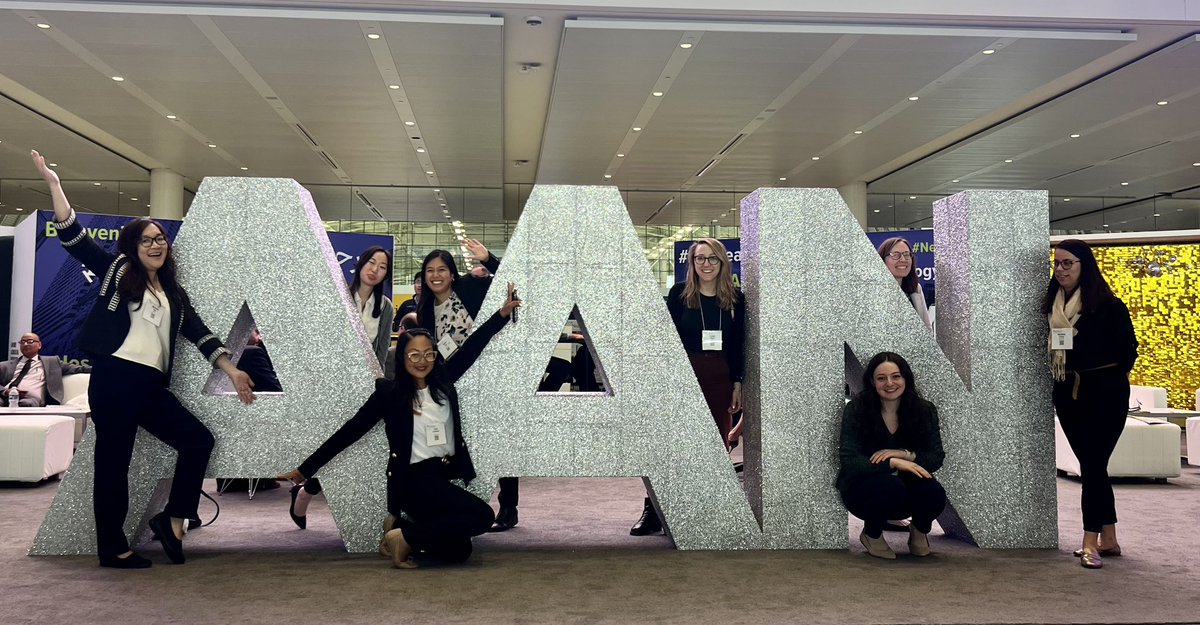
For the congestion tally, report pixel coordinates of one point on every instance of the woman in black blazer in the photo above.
(441, 517)
(130, 335)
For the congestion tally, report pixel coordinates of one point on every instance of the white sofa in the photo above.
(1147, 448)
(33, 448)
(75, 394)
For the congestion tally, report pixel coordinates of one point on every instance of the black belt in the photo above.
(1078, 378)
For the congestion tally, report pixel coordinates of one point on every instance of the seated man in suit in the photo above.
(38, 378)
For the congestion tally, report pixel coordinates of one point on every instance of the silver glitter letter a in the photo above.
(813, 281)
(259, 244)
(577, 246)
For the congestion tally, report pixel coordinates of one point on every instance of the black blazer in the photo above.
(855, 452)
(107, 325)
(733, 328)
(398, 420)
(471, 290)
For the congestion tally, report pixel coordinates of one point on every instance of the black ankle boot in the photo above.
(506, 519)
(649, 523)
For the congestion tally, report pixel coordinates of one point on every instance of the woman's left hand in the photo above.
(243, 385)
(476, 249)
(883, 455)
(510, 304)
(735, 404)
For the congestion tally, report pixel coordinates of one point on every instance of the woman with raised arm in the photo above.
(130, 335)
(371, 272)
(1092, 348)
(891, 446)
(420, 413)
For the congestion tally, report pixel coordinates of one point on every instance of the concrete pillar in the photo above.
(166, 194)
(855, 195)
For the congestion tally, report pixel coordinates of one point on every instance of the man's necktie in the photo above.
(24, 370)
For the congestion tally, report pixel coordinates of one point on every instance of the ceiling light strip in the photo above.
(279, 13)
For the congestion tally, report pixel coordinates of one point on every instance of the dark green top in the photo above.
(855, 452)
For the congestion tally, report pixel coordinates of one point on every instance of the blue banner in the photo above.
(64, 290)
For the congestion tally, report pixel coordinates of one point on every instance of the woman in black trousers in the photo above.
(1092, 349)
(890, 447)
(130, 335)
(420, 414)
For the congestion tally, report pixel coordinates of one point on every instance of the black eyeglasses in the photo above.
(148, 241)
(707, 260)
(29, 341)
(1065, 263)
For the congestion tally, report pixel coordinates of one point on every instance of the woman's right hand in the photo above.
(910, 466)
(294, 476)
(49, 175)
(510, 304)
(62, 207)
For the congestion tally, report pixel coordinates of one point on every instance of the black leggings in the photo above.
(442, 518)
(124, 395)
(1093, 423)
(877, 498)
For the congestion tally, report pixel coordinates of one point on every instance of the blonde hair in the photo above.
(726, 295)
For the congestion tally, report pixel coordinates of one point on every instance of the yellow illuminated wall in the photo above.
(1165, 316)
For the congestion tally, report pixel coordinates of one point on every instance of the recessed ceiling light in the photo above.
(1157, 215)
(620, 156)
(714, 221)
(685, 46)
(816, 158)
(119, 78)
(1008, 160)
(657, 94)
(1103, 225)
(1124, 184)
(877, 210)
(858, 132)
(95, 184)
(637, 128)
(782, 179)
(54, 164)
(955, 180)
(1195, 164)
(912, 197)
(1162, 103)
(212, 145)
(914, 98)
(607, 176)
(372, 35)
(437, 190)
(172, 117)
(1075, 135)
(429, 173)
(421, 150)
(19, 208)
(989, 51)
(1066, 199)
(393, 86)
(42, 25)
(410, 123)
(132, 199)
(443, 205)
(147, 206)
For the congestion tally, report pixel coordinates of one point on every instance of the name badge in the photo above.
(447, 346)
(1062, 338)
(710, 340)
(152, 312)
(435, 434)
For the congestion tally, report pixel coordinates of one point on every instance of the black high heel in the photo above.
(300, 521)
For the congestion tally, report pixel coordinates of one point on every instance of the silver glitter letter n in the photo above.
(814, 281)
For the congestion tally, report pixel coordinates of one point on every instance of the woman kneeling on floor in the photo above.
(420, 413)
(890, 448)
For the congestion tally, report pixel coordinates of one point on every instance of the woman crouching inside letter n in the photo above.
(420, 415)
(891, 446)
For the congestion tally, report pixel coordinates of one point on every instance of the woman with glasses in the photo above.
(1092, 349)
(897, 254)
(420, 413)
(710, 316)
(371, 272)
(130, 335)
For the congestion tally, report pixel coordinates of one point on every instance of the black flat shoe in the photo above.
(131, 561)
(300, 521)
(505, 520)
(172, 546)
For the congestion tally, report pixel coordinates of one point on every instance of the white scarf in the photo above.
(1062, 315)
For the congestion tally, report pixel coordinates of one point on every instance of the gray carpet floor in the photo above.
(571, 560)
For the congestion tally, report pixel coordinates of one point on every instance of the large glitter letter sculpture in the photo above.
(577, 246)
(813, 281)
(254, 250)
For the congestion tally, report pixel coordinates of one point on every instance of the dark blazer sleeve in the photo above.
(736, 341)
(675, 304)
(1124, 339)
(372, 412)
(7, 369)
(853, 451)
(492, 264)
(194, 330)
(472, 290)
(930, 454)
(469, 351)
(79, 244)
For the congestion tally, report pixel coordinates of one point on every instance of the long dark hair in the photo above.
(403, 385)
(1093, 288)
(911, 412)
(363, 259)
(132, 286)
(426, 301)
(909, 283)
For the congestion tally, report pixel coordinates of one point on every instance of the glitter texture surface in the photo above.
(254, 250)
(803, 305)
(577, 246)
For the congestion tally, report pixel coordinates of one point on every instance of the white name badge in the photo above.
(152, 312)
(710, 340)
(447, 346)
(435, 434)
(1062, 338)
